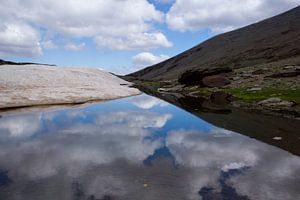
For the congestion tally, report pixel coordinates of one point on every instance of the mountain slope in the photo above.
(269, 41)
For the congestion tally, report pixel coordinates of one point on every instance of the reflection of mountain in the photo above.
(226, 191)
(91, 154)
(161, 153)
(206, 156)
(255, 125)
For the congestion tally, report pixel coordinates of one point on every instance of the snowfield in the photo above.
(30, 85)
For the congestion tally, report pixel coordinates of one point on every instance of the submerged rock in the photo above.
(221, 98)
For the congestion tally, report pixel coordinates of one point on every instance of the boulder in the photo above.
(276, 102)
(215, 81)
(194, 77)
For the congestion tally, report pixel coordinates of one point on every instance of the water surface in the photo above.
(137, 148)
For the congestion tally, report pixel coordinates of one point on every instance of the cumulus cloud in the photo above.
(133, 41)
(145, 59)
(221, 16)
(48, 44)
(19, 39)
(112, 24)
(74, 47)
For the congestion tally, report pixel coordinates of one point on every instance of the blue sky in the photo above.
(120, 36)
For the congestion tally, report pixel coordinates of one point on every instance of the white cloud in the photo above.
(74, 47)
(49, 44)
(220, 15)
(115, 24)
(133, 41)
(19, 39)
(145, 59)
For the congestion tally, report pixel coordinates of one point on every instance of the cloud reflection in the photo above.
(91, 154)
(210, 156)
(148, 102)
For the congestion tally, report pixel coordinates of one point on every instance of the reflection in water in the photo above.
(137, 148)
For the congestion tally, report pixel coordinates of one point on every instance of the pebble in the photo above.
(253, 89)
(277, 138)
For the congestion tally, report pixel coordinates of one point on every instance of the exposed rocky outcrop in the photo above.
(31, 85)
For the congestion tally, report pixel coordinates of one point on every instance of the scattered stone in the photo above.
(215, 81)
(236, 78)
(254, 89)
(276, 102)
(289, 67)
(260, 71)
(277, 138)
(161, 89)
(246, 75)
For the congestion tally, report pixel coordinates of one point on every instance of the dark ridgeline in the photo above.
(268, 41)
(5, 62)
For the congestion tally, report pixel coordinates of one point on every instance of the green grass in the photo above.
(152, 84)
(265, 93)
(205, 92)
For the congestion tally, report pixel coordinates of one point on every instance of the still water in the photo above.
(137, 148)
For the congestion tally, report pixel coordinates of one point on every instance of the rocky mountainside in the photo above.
(269, 41)
(255, 68)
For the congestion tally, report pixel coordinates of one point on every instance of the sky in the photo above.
(120, 36)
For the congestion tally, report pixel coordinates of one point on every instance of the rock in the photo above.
(194, 77)
(276, 102)
(285, 74)
(236, 78)
(277, 138)
(289, 67)
(246, 75)
(253, 89)
(161, 90)
(260, 71)
(215, 81)
(33, 85)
